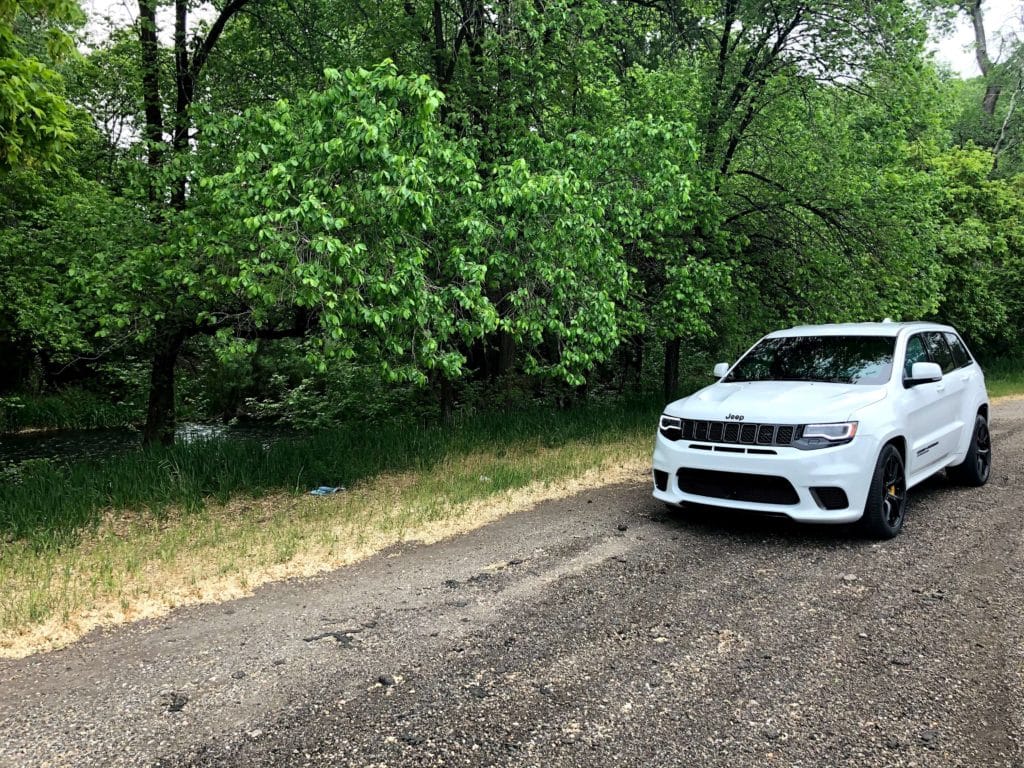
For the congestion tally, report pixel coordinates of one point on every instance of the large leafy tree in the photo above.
(547, 214)
(981, 245)
(791, 99)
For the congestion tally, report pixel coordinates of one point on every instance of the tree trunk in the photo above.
(992, 93)
(447, 400)
(985, 64)
(154, 127)
(506, 352)
(672, 368)
(183, 96)
(160, 417)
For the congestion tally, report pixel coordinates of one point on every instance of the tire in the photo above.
(977, 465)
(886, 507)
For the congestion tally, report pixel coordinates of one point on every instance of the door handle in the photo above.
(941, 388)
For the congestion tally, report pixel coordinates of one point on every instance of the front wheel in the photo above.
(977, 465)
(886, 506)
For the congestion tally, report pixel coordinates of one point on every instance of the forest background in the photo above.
(330, 211)
(330, 214)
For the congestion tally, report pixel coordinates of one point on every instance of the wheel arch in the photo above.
(901, 445)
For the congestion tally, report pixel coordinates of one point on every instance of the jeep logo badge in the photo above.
(734, 417)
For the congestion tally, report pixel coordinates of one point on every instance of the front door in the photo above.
(931, 412)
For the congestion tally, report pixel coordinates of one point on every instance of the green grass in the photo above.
(1005, 377)
(71, 409)
(49, 504)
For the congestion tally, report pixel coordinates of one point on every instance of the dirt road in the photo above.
(594, 630)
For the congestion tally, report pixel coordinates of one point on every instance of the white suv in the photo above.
(829, 424)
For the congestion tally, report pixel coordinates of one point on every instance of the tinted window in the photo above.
(837, 359)
(916, 353)
(939, 351)
(960, 354)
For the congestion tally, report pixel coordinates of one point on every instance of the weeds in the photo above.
(1004, 377)
(49, 504)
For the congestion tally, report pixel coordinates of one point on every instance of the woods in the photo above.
(321, 212)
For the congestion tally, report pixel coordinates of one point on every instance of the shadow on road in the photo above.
(758, 528)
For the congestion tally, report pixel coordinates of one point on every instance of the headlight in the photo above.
(670, 426)
(814, 436)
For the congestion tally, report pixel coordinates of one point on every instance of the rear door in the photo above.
(972, 383)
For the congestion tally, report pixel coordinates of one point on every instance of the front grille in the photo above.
(731, 432)
(737, 486)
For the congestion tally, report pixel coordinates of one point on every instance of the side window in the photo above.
(960, 354)
(916, 353)
(939, 351)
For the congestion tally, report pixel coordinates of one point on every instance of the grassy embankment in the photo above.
(1004, 378)
(136, 535)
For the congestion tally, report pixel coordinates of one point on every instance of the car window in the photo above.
(834, 359)
(939, 351)
(960, 354)
(916, 353)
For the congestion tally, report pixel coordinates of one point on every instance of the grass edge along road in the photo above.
(130, 565)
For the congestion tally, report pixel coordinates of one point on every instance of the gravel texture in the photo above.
(593, 630)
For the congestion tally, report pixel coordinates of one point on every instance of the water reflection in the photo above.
(74, 445)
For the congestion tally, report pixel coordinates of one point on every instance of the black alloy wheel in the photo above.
(977, 465)
(886, 506)
(982, 449)
(894, 491)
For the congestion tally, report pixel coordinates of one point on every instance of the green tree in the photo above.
(981, 246)
(791, 100)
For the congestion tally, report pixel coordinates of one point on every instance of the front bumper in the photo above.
(848, 467)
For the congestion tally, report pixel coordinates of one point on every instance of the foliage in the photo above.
(981, 245)
(522, 198)
(344, 200)
(35, 124)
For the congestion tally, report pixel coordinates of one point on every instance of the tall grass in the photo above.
(48, 504)
(71, 409)
(1004, 376)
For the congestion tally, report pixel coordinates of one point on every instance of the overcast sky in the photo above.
(1002, 18)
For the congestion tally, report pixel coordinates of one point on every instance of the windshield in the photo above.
(835, 359)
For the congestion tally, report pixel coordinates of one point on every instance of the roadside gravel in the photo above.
(597, 629)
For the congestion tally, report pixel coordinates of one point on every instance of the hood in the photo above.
(778, 402)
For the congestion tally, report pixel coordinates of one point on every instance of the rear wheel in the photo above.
(977, 466)
(886, 506)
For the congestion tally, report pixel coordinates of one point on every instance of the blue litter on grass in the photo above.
(326, 490)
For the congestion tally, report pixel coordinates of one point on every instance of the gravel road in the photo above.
(593, 630)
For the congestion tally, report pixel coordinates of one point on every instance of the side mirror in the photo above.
(923, 373)
(721, 369)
